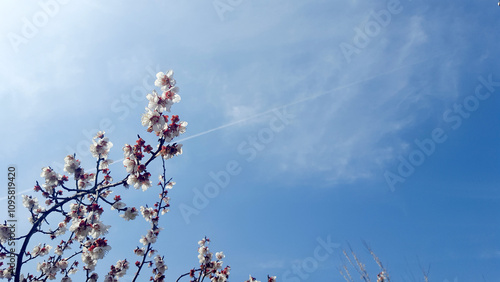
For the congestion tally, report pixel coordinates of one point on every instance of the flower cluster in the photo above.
(159, 270)
(150, 237)
(48, 269)
(154, 119)
(251, 279)
(382, 277)
(7, 273)
(165, 80)
(139, 176)
(94, 250)
(30, 202)
(140, 251)
(130, 213)
(86, 222)
(4, 233)
(100, 149)
(40, 250)
(118, 270)
(72, 166)
(208, 267)
(100, 146)
(51, 267)
(169, 151)
(52, 180)
(150, 214)
(163, 102)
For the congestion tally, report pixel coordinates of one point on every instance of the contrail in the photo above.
(283, 106)
(296, 102)
(307, 98)
(301, 100)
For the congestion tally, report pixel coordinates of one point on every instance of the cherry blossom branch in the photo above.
(186, 274)
(32, 231)
(2, 247)
(155, 220)
(92, 189)
(140, 265)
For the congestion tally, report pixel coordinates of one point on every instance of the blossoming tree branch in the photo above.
(75, 205)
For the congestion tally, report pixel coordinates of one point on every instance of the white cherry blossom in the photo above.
(130, 213)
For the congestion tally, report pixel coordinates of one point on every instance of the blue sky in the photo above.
(313, 104)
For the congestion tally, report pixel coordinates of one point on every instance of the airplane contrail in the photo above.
(295, 102)
(299, 101)
(281, 107)
(303, 100)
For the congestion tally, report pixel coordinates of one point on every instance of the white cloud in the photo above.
(247, 67)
